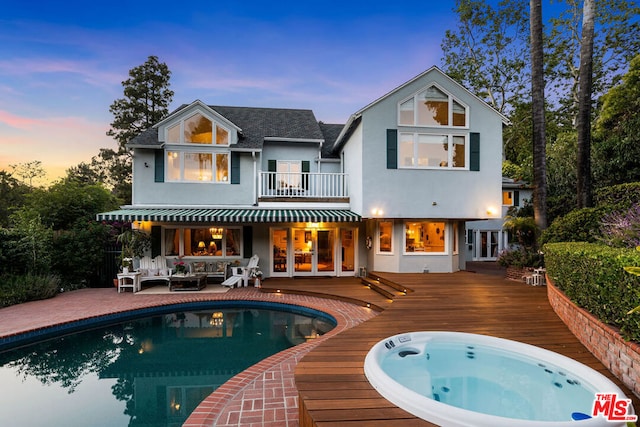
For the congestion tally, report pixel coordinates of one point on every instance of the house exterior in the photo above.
(390, 190)
(486, 239)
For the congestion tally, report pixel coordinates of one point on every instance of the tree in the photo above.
(484, 52)
(66, 202)
(12, 194)
(616, 140)
(584, 107)
(146, 101)
(29, 171)
(538, 114)
(616, 42)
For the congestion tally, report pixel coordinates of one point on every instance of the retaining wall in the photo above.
(621, 357)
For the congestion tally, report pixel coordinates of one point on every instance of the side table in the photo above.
(129, 280)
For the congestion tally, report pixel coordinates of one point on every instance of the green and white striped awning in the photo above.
(230, 215)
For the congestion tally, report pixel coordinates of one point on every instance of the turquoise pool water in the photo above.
(460, 379)
(150, 371)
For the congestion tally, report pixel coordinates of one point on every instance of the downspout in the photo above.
(256, 180)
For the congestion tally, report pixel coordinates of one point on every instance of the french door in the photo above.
(488, 245)
(313, 251)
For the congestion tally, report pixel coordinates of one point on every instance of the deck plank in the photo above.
(333, 390)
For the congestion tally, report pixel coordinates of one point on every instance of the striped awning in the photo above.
(230, 215)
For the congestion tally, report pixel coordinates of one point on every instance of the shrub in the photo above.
(618, 197)
(520, 257)
(581, 225)
(621, 229)
(16, 289)
(593, 277)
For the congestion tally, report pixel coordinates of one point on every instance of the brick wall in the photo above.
(621, 357)
(516, 273)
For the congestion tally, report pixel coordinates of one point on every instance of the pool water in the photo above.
(152, 371)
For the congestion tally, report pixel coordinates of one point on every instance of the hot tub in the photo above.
(460, 379)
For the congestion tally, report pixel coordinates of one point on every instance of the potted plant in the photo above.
(256, 275)
(134, 244)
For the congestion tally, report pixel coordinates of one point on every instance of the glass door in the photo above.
(279, 261)
(488, 245)
(303, 250)
(314, 251)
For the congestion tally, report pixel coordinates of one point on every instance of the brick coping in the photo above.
(620, 357)
(242, 400)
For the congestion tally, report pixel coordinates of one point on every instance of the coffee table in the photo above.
(187, 282)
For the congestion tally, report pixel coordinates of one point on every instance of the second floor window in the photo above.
(432, 107)
(197, 129)
(197, 167)
(428, 151)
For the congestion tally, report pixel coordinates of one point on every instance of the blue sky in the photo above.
(62, 63)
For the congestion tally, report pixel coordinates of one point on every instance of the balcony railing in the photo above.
(303, 185)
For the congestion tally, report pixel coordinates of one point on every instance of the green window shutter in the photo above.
(235, 167)
(271, 167)
(247, 241)
(159, 165)
(306, 168)
(392, 149)
(516, 198)
(474, 151)
(156, 241)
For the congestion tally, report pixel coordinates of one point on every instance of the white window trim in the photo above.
(181, 152)
(415, 111)
(513, 194)
(214, 125)
(182, 228)
(449, 151)
(447, 228)
(378, 251)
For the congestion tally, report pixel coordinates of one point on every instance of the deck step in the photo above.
(398, 287)
(380, 287)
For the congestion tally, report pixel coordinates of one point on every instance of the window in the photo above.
(289, 174)
(425, 236)
(507, 198)
(203, 241)
(385, 234)
(197, 166)
(198, 129)
(432, 107)
(432, 151)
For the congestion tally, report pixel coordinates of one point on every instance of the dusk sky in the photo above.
(62, 63)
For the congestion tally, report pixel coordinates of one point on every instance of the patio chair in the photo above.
(239, 274)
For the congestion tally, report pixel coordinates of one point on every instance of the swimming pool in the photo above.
(460, 379)
(151, 370)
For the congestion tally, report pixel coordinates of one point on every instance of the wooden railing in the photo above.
(303, 185)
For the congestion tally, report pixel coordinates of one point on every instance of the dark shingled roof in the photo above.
(258, 124)
(331, 133)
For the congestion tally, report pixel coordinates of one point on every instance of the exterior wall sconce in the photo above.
(434, 203)
(491, 211)
(377, 212)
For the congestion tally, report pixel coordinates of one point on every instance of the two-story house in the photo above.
(389, 191)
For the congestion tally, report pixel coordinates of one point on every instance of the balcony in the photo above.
(287, 186)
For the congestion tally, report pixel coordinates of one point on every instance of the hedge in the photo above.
(593, 277)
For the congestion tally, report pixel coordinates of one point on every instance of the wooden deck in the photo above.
(333, 390)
